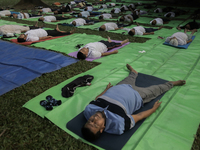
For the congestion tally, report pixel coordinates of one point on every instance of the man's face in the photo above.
(133, 31)
(84, 51)
(41, 18)
(153, 22)
(96, 122)
(23, 36)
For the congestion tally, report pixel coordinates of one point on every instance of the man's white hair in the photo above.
(173, 42)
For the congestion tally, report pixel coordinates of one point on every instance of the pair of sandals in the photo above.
(50, 102)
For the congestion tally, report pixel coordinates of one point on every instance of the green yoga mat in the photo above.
(173, 125)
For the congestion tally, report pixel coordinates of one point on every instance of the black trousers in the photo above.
(56, 33)
(110, 45)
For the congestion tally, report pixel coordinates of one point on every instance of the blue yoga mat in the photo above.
(21, 64)
(111, 141)
(181, 46)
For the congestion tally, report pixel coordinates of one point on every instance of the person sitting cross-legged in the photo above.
(41, 34)
(112, 110)
(98, 49)
(139, 30)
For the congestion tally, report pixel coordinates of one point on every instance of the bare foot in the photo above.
(131, 69)
(125, 41)
(109, 40)
(178, 83)
(160, 27)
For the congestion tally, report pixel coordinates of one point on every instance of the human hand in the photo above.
(50, 36)
(152, 32)
(109, 85)
(156, 105)
(115, 51)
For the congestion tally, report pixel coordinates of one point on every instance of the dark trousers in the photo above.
(33, 27)
(148, 30)
(60, 18)
(110, 45)
(56, 33)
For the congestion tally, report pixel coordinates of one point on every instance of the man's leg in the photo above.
(57, 32)
(149, 93)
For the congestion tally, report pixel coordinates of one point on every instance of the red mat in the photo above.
(29, 43)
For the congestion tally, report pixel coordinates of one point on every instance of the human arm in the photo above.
(147, 113)
(119, 28)
(24, 15)
(107, 87)
(109, 53)
(189, 41)
(130, 18)
(46, 37)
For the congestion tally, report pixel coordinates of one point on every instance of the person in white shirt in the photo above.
(139, 30)
(131, 6)
(5, 13)
(81, 22)
(110, 26)
(41, 34)
(158, 10)
(88, 14)
(130, 17)
(88, 8)
(45, 10)
(105, 16)
(103, 6)
(115, 10)
(124, 8)
(23, 15)
(180, 38)
(84, 14)
(159, 21)
(98, 49)
(170, 14)
(53, 18)
(112, 4)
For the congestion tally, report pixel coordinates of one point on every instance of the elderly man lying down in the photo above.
(98, 49)
(112, 110)
(180, 38)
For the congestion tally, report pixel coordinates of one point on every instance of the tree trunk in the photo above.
(29, 4)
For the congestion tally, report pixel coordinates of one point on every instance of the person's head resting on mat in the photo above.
(102, 28)
(173, 41)
(131, 32)
(79, 15)
(41, 19)
(74, 23)
(83, 53)
(101, 17)
(168, 15)
(121, 18)
(153, 22)
(22, 38)
(94, 126)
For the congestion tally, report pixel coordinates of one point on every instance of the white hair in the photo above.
(173, 42)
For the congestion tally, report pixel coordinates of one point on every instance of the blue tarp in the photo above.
(21, 64)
